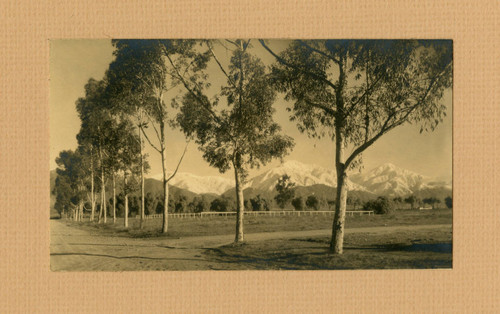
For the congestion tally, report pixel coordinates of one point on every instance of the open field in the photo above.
(406, 239)
(184, 227)
(417, 248)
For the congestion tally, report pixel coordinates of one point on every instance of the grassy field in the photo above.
(398, 250)
(185, 227)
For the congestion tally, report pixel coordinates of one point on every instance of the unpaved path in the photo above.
(73, 249)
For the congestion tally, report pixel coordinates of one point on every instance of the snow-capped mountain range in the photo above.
(199, 184)
(301, 174)
(386, 179)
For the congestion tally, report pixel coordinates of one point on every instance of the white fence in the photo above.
(260, 213)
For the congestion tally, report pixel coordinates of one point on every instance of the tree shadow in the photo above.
(318, 257)
(131, 245)
(125, 257)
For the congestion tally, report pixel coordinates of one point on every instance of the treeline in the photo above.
(286, 195)
(352, 91)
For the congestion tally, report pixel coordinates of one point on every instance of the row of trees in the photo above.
(353, 91)
(415, 201)
(285, 189)
(383, 205)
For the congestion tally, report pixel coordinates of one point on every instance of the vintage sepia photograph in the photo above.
(250, 154)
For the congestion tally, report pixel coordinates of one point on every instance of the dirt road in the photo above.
(78, 250)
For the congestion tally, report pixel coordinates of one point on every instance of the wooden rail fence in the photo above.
(259, 213)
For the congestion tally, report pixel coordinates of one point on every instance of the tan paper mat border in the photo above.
(27, 285)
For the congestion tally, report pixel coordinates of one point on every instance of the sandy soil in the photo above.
(74, 249)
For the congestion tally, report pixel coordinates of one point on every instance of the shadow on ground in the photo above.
(308, 254)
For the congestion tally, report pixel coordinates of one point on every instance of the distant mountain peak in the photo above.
(199, 184)
(389, 179)
(300, 173)
(295, 164)
(388, 165)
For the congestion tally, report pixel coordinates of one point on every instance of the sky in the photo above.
(73, 62)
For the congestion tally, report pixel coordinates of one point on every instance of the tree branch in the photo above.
(220, 65)
(326, 109)
(154, 128)
(178, 165)
(387, 127)
(232, 42)
(303, 43)
(368, 90)
(190, 90)
(284, 62)
(149, 141)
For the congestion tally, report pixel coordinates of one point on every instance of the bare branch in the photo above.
(232, 42)
(154, 127)
(178, 165)
(149, 141)
(220, 65)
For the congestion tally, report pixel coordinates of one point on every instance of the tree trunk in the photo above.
(125, 215)
(92, 192)
(103, 193)
(81, 212)
(103, 190)
(100, 209)
(114, 198)
(142, 181)
(164, 228)
(337, 241)
(239, 207)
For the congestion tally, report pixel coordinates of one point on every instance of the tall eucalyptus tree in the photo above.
(141, 75)
(235, 127)
(358, 90)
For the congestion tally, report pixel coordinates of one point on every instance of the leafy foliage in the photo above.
(259, 204)
(431, 201)
(69, 184)
(362, 89)
(285, 190)
(381, 206)
(298, 203)
(449, 202)
(220, 204)
(312, 202)
(240, 133)
(412, 200)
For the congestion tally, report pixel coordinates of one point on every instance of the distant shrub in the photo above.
(259, 204)
(432, 201)
(380, 206)
(312, 202)
(219, 205)
(285, 190)
(331, 203)
(449, 202)
(298, 203)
